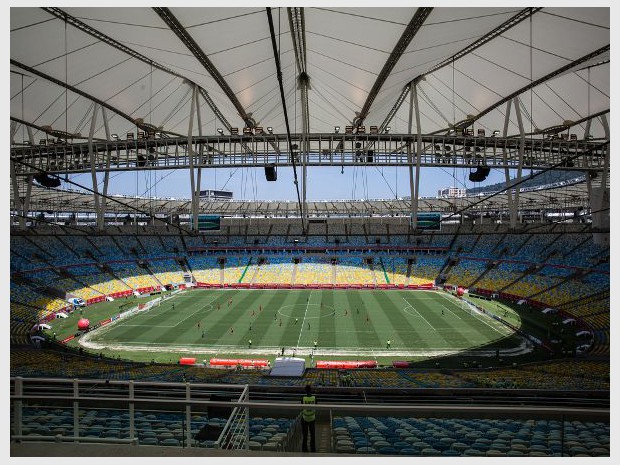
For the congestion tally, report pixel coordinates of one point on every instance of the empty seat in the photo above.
(345, 449)
(459, 446)
(365, 450)
(170, 442)
(387, 451)
(599, 452)
(259, 438)
(149, 442)
(254, 445)
(430, 452)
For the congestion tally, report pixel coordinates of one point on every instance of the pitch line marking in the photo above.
(304, 320)
(450, 311)
(414, 309)
(500, 330)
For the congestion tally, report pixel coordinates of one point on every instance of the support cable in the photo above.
(288, 129)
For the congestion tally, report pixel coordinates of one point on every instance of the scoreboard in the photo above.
(208, 223)
(428, 221)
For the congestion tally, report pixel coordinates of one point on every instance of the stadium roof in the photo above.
(140, 64)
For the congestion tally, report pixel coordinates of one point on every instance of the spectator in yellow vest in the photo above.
(307, 421)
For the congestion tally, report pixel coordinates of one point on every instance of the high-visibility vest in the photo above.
(307, 414)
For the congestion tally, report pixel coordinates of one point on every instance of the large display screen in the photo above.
(208, 223)
(429, 221)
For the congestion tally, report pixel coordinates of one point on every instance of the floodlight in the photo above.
(269, 129)
(220, 131)
(115, 136)
(387, 130)
(336, 129)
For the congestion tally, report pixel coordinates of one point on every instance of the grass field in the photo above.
(349, 324)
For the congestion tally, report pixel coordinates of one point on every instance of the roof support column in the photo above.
(13, 131)
(30, 135)
(93, 163)
(412, 219)
(200, 152)
(506, 170)
(606, 160)
(190, 154)
(305, 148)
(26, 203)
(515, 204)
(418, 152)
(17, 201)
(587, 159)
(106, 175)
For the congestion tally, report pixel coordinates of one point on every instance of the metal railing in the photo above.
(178, 410)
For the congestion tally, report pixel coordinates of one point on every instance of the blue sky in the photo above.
(323, 183)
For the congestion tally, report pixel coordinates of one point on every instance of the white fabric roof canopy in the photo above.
(346, 50)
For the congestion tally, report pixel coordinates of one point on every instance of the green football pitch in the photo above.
(344, 324)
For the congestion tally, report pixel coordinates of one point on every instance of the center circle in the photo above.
(325, 310)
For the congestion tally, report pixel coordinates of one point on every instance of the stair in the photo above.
(255, 274)
(374, 276)
(323, 435)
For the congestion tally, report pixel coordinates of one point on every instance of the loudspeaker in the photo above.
(270, 173)
(46, 181)
(480, 174)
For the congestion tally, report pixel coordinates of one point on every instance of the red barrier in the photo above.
(233, 362)
(400, 364)
(67, 339)
(346, 364)
(187, 361)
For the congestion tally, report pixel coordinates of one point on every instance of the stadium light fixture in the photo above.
(388, 129)
(496, 133)
(115, 136)
(336, 129)
(269, 129)
(220, 131)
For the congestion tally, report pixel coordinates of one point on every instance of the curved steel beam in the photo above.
(405, 39)
(567, 67)
(563, 127)
(58, 82)
(506, 25)
(63, 15)
(53, 132)
(175, 26)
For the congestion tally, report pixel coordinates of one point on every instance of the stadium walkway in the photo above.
(34, 449)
